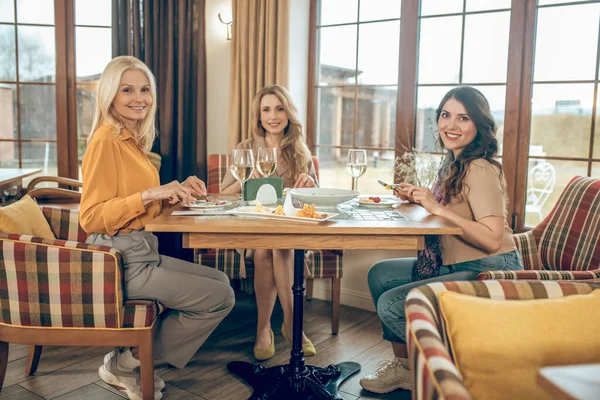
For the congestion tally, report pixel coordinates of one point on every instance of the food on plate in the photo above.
(309, 212)
(279, 211)
(259, 208)
(371, 200)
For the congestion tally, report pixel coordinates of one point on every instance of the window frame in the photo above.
(519, 88)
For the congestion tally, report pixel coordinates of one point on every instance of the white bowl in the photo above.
(323, 196)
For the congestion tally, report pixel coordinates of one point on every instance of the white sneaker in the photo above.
(124, 381)
(389, 376)
(127, 362)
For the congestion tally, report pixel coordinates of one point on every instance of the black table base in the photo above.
(295, 380)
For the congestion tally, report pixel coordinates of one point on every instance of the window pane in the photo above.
(596, 170)
(40, 155)
(335, 119)
(36, 54)
(542, 192)
(434, 7)
(428, 100)
(378, 64)
(86, 98)
(377, 116)
(568, 53)
(35, 12)
(38, 112)
(333, 174)
(8, 62)
(337, 55)
(338, 11)
(496, 96)
(8, 111)
(379, 9)
(544, 2)
(9, 155)
(561, 120)
(97, 12)
(479, 5)
(439, 62)
(93, 51)
(486, 47)
(7, 11)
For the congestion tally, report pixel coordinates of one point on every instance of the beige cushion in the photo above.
(25, 218)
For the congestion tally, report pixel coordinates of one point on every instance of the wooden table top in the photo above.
(417, 222)
(581, 382)
(9, 175)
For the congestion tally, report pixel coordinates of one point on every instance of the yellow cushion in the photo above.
(499, 345)
(25, 218)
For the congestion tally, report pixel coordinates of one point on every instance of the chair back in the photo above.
(568, 239)
(540, 184)
(218, 165)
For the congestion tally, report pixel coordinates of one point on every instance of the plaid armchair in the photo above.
(433, 372)
(65, 292)
(319, 263)
(566, 244)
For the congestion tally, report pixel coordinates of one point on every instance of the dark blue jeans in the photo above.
(390, 281)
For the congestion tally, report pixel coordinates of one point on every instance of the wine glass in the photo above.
(266, 161)
(242, 167)
(357, 165)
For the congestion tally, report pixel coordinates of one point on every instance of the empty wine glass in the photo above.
(266, 161)
(242, 167)
(357, 165)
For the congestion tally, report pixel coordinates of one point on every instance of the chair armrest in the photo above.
(59, 283)
(57, 179)
(543, 275)
(527, 247)
(64, 223)
(434, 374)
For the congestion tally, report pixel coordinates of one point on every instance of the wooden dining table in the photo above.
(13, 177)
(296, 379)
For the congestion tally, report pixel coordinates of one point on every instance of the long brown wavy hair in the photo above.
(294, 151)
(484, 146)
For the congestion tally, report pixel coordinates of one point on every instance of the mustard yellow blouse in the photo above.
(115, 172)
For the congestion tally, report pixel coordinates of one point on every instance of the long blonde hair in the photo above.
(292, 145)
(108, 87)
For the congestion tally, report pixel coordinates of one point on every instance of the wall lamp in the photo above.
(228, 26)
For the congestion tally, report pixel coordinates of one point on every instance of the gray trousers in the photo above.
(197, 298)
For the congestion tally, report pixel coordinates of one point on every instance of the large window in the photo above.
(28, 85)
(53, 52)
(541, 81)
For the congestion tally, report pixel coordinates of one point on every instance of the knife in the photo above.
(391, 187)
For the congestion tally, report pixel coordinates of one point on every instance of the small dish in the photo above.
(210, 204)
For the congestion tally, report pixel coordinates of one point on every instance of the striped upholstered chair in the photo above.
(65, 292)
(319, 263)
(434, 374)
(566, 244)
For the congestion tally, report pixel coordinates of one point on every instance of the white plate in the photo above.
(323, 196)
(209, 204)
(249, 213)
(385, 202)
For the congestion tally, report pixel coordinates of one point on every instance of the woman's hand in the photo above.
(424, 197)
(304, 181)
(196, 185)
(173, 191)
(401, 192)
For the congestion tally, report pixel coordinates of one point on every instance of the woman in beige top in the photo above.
(276, 125)
(471, 192)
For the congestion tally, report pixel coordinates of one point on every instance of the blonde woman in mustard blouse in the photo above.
(121, 193)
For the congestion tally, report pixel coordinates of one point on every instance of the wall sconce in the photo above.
(228, 26)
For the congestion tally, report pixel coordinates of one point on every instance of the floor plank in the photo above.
(68, 373)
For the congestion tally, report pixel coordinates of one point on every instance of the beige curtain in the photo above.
(259, 57)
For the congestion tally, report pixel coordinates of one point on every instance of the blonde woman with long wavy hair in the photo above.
(121, 193)
(276, 125)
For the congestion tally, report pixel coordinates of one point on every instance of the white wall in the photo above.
(218, 58)
(355, 291)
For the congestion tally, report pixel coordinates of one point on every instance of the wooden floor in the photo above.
(70, 373)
